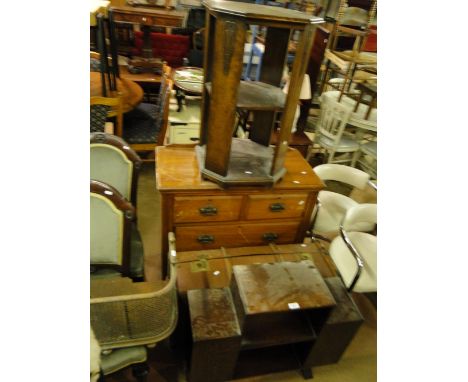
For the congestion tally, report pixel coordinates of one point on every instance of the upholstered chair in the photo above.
(115, 248)
(355, 253)
(331, 206)
(103, 108)
(114, 162)
(171, 48)
(146, 125)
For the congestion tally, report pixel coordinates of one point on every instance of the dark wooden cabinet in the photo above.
(339, 329)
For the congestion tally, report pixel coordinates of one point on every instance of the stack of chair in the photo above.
(116, 245)
(351, 24)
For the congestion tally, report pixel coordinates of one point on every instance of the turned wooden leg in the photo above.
(307, 373)
(179, 96)
(140, 371)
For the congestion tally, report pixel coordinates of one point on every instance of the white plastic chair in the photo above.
(355, 253)
(331, 206)
(331, 135)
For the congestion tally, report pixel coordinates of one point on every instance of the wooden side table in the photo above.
(281, 308)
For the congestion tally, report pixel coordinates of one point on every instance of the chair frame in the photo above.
(130, 154)
(354, 251)
(167, 82)
(332, 124)
(114, 196)
(310, 232)
(116, 110)
(116, 304)
(347, 63)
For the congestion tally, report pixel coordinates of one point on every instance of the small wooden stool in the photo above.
(216, 335)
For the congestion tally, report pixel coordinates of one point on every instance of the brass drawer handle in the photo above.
(270, 236)
(208, 211)
(205, 239)
(277, 207)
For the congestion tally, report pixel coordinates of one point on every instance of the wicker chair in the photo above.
(128, 317)
(115, 163)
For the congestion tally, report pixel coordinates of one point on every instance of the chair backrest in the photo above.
(362, 213)
(110, 220)
(163, 107)
(171, 48)
(102, 108)
(341, 173)
(333, 119)
(115, 163)
(352, 20)
(128, 314)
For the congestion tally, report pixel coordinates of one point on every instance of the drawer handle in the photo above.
(277, 207)
(208, 211)
(205, 239)
(270, 236)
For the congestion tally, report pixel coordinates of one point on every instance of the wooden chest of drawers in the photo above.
(205, 216)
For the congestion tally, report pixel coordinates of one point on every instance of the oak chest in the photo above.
(205, 216)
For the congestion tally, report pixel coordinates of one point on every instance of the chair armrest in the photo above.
(372, 185)
(356, 255)
(355, 32)
(131, 314)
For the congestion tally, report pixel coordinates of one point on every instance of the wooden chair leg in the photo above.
(140, 371)
(355, 158)
(331, 155)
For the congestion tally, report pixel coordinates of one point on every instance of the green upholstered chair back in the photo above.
(106, 231)
(110, 220)
(115, 163)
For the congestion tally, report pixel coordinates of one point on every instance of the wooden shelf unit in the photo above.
(223, 159)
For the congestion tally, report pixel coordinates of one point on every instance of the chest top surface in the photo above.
(177, 169)
(280, 287)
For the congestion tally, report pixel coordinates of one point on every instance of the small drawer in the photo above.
(206, 209)
(209, 237)
(279, 233)
(275, 206)
(183, 134)
(234, 235)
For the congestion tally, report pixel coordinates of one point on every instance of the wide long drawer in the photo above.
(196, 209)
(234, 235)
(275, 206)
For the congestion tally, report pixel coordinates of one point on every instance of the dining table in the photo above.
(130, 91)
(187, 80)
